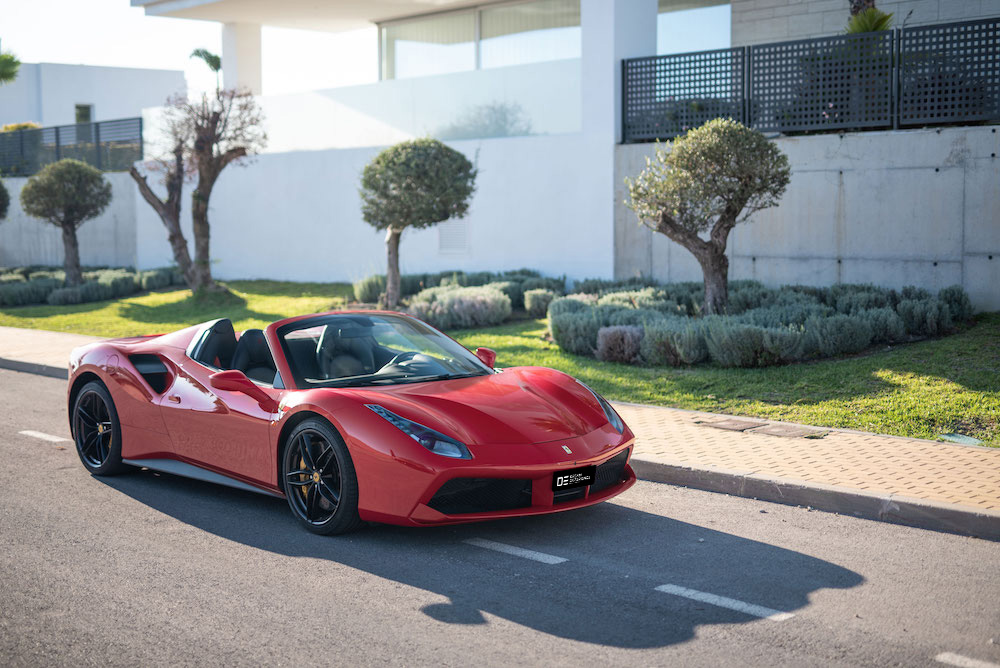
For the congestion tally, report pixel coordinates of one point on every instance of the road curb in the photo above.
(32, 367)
(891, 508)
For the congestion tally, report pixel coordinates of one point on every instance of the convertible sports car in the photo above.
(351, 416)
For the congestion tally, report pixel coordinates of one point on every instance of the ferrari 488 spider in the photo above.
(351, 417)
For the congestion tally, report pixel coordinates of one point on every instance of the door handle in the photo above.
(174, 399)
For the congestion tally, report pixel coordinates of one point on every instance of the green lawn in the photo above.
(251, 304)
(921, 389)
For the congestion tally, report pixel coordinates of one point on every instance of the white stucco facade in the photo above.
(297, 216)
(47, 93)
(108, 240)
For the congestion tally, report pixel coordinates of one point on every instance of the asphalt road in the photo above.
(147, 568)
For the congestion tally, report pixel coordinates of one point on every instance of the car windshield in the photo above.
(354, 350)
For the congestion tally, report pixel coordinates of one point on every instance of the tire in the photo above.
(318, 478)
(96, 431)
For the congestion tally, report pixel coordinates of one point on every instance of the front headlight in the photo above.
(609, 412)
(434, 441)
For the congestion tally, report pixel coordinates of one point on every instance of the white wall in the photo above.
(917, 207)
(297, 216)
(47, 93)
(108, 239)
(758, 21)
(545, 95)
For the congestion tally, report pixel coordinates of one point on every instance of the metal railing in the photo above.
(110, 146)
(928, 75)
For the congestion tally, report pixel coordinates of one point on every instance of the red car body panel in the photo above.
(525, 423)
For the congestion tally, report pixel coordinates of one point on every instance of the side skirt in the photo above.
(182, 469)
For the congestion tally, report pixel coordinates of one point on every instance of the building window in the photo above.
(529, 33)
(435, 45)
(453, 236)
(483, 37)
(84, 113)
(683, 26)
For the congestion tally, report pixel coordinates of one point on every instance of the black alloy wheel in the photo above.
(319, 479)
(96, 430)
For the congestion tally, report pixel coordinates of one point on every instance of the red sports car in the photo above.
(351, 416)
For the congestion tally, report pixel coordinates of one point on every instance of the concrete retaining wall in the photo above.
(918, 207)
(106, 240)
(758, 21)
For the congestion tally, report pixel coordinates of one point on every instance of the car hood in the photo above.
(519, 405)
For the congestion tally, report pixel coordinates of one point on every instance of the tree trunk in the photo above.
(202, 270)
(858, 6)
(169, 213)
(392, 268)
(72, 252)
(715, 267)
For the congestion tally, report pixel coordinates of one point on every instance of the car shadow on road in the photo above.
(604, 594)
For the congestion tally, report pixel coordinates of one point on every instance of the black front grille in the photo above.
(567, 495)
(481, 495)
(610, 472)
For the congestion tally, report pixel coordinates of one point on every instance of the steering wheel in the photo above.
(401, 357)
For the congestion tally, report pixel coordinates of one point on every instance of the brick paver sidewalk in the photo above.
(912, 468)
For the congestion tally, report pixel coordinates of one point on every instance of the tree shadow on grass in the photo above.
(194, 309)
(45, 310)
(605, 594)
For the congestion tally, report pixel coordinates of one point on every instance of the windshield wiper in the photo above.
(440, 376)
(357, 381)
(392, 380)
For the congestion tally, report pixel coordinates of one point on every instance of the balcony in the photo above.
(943, 74)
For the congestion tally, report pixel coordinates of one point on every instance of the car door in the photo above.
(227, 432)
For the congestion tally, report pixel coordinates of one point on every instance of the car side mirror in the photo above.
(235, 380)
(487, 356)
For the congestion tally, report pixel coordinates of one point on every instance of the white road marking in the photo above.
(723, 602)
(516, 551)
(953, 659)
(44, 437)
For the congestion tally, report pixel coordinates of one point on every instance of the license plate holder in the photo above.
(572, 478)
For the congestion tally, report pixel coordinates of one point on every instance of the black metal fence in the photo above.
(108, 145)
(939, 74)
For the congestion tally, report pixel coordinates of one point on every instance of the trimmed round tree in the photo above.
(67, 194)
(711, 179)
(415, 183)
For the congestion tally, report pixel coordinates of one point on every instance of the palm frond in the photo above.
(213, 61)
(869, 20)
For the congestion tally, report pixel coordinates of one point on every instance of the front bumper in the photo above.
(528, 488)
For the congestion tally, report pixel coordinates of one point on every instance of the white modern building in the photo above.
(532, 90)
(55, 94)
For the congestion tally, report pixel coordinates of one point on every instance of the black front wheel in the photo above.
(96, 430)
(319, 480)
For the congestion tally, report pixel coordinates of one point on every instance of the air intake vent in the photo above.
(610, 472)
(153, 370)
(481, 495)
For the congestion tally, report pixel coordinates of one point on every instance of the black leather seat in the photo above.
(218, 346)
(253, 357)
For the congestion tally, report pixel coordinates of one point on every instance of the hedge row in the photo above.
(656, 325)
(453, 306)
(23, 286)
(368, 290)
